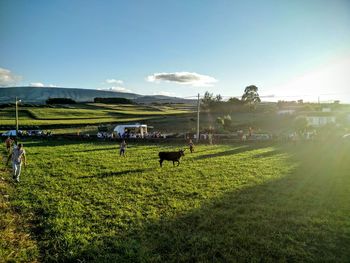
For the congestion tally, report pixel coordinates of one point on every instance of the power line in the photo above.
(275, 95)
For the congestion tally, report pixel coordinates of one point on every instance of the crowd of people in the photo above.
(130, 135)
(35, 133)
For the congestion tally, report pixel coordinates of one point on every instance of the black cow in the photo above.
(171, 156)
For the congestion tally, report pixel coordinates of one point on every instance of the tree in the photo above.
(251, 96)
(218, 98)
(207, 100)
(116, 100)
(60, 101)
(234, 101)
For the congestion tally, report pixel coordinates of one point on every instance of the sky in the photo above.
(290, 50)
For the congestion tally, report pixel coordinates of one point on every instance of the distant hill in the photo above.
(41, 94)
(162, 99)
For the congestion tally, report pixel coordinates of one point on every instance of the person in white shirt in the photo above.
(17, 156)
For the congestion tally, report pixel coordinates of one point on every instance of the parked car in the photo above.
(10, 133)
(34, 132)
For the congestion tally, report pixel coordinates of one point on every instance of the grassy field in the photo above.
(88, 114)
(174, 118)
(224, 203)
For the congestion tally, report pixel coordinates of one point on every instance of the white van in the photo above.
(10, 133)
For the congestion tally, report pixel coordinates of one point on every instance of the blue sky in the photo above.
(291, 49)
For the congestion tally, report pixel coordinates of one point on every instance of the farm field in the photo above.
(224, 203)
(85, 118)
(88, 114)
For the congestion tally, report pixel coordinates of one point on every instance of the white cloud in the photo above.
(117, 89)
(116, 85)
(164, 93)
(7, 78)
(184, 78)
(36, 84)
(41, 85)
(114, 81)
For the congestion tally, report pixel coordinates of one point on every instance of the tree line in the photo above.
(248, 100)
(116, 100)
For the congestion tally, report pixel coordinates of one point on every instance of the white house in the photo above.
(319, 119)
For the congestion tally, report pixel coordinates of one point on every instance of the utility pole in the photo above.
(17, 101)
(198, 108)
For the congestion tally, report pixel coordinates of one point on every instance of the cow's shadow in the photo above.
(237, 150)
(116, 173)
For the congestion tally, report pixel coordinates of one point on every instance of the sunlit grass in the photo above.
(16, 243)
(86, 114)
(69, 121)
(223, 203)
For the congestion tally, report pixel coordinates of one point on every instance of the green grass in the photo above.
(16, 243)
(64, 113)
(145, 110)
(82, 122)
(88, 114)
(222, 204)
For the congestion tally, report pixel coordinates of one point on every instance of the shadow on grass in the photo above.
(267, 154)
(98, 149)
(237, 150)
(294, 218)
(302, 216)
(28, 143)
(118, 173)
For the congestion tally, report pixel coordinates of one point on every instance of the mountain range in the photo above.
(41, 94)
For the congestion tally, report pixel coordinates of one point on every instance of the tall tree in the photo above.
(218, 98)
(251, 96)
(207, 100)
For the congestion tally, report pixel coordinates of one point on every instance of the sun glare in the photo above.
(327, 82)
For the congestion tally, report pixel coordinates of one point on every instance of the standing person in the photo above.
(8, 143)
(210, 138)
(17, 155)
(190, 143)
(122, 148)
(295, 138)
